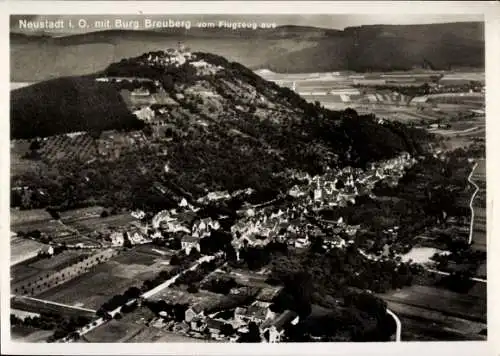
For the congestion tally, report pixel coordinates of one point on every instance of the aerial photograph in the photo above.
(247, 178)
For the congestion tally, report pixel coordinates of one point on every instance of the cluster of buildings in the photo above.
(178, 57)
(184, 223)
(224, 195)
(342, 187)
(259, 227)
(210, 317)
(170, 56)
(134, 237)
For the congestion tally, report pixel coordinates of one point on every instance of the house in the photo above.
(117, 239)
(296, 192)
(183, 203)
(135, 237)
(156, 235)
(46, 251)
(214, 196)
(318, 194)
(140, 92)
(274, 330)
(257, 312)
(198, 324)
(269, 293)
(302, 242)
(204, 227)
(145, 114)
(189, 243)
(352, 230)
(214, 327)
(139, 214)
(194, 312)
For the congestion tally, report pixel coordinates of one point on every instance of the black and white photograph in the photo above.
(247, 178)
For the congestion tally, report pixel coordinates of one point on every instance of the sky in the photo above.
(333, 21)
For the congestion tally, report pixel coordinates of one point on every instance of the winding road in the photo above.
(471, 229)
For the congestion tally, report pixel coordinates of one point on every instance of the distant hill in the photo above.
(66, 105)
(284, 49)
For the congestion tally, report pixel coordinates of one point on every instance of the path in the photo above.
(48, 302)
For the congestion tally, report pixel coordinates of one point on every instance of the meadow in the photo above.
(128, 269)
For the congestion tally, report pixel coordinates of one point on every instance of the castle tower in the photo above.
(180, 47)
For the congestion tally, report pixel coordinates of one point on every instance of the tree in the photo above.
(148, 130)
(349, 113)
(176, 243)
(74, 336)
(127, 308)
(227, 329)
(192, 288)
(180, 312)
(253, 334)
(175, 260)
(194, 253)
(340, 184)
(317, 245)
(132, 292)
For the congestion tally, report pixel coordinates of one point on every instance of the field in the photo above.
(169, 337)
(433, 314)
(427, 329)
(38, 306)
(75, 227)
(22, 249)
(113, 331)
(19, 164)
(57, 262)
(128, 269)
(336, 91)
(121, 330)
(50, 227)
(464, 306)
(176, 295)
(44, 266)
(76, 146)
(18, 217)
(86, 225)
(81, 214)
(27, 334)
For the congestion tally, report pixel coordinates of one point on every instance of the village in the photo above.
(285, 220)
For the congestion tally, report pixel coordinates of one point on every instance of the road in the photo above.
(471, 229)
(98, 322)
(169, 282)
(398, 324)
